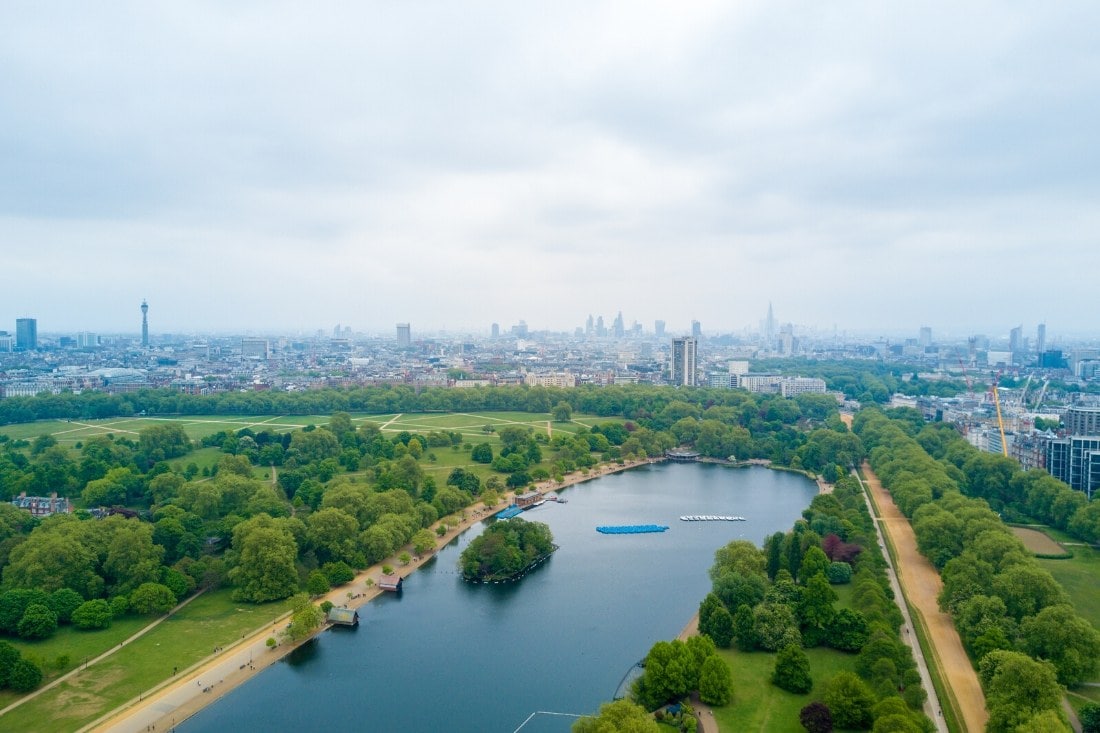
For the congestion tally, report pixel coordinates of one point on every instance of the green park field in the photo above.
(182, 640)
(758, 704)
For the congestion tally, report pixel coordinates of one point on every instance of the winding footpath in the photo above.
(921, 586)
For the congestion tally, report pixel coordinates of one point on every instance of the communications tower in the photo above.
(144, 325)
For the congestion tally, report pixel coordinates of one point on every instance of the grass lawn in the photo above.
(1080, 576)
(190, 636)
(760, 705)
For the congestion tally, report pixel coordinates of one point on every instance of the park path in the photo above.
(87, 662)
(922, 585)
(932, 705)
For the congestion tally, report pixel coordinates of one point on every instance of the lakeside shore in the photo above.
(179, 698)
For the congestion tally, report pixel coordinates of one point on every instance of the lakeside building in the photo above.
(43, 506)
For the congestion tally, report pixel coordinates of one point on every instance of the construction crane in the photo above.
(1000, 420)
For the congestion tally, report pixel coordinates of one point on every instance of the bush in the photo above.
(63, 602)
(792, 671)
(326, 606)
(338, 573)
(92, 615)
(816, 718)
(152, 598)
(849, 700)
(38, 622)
(839, 573)
(25, 676)
(318, 584)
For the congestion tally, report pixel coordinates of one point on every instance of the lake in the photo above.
(446, 655)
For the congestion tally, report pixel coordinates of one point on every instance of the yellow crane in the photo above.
(1000, 420)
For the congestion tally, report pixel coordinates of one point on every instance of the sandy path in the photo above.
(922, 585)
(175, 700)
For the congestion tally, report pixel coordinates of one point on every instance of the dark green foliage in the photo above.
(151, 598)
(92, 615)
(338, 573)
(318, 584)
(849, 699)
(505, 549)
(848, 631)
(1089, 715)
(792, 670)
(38, 622)
(14, 603)
(839, 573)
(63, 602)
(25, 676)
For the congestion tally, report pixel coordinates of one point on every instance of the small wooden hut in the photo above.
(343, 616)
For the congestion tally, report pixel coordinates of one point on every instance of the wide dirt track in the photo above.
(922, 585)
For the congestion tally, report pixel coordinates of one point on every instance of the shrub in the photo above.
(839, 573)
(92, 615)
(792, 670)
(816, 718)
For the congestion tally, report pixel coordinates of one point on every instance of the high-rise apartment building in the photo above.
(659, 329)
(404, 334)
(1041, 338)
(683, 365)
(26, 334)
(696, 330)
(925, 337)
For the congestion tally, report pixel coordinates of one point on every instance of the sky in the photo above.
(269, 166)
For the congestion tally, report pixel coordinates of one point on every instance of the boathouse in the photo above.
(391, 583)
(342, 616)
(527, 500)
(681, 455)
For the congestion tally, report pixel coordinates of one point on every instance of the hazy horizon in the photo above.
(282, 167)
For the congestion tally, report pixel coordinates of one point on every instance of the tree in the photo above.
(94, 614)
(38, 622)
(715, 682)
(318, 584)
(334, 534)
(1090, 717)
(792, 670)
(1017, 688)
(621, 716)
(562, 412)
(25, 676)
(849, 700)
(482, 453)
(816, 718)
(338, 573)
(265, 552)
(423, 541)
(305, 618)
(152, 598)
(1070, 642)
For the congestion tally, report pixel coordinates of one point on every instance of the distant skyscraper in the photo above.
(683, 366)
(601, 330)
(925, 336)
(659, 329)
(495, 330)
(769, 326)
(26, 334)
(617, 328)
(1016, 339)
(696, 330)
(404, 334)
(144, 325)
(589, 327)
(1041, 338)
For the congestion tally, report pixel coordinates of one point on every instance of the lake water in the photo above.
(447, 655)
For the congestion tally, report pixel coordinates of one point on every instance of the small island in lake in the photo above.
(506, 551)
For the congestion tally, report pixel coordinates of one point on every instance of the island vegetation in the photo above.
(506, 550)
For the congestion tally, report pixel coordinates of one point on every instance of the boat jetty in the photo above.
(710, 518)
(631, 528)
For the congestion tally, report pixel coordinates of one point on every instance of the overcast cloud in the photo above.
(291, 166)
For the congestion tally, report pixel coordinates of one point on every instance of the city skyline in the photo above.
(873, 168)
